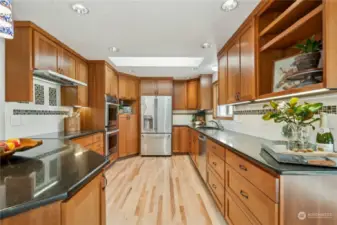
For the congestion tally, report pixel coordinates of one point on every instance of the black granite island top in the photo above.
(54, 171)
(250, 148)
(66, 135)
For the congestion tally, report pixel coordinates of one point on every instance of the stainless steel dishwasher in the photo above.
(202, 157)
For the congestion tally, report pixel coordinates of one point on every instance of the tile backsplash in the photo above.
(43, 115)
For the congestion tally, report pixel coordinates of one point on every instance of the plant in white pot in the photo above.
(311, 54)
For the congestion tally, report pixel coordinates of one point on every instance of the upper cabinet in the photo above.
(128, 87)
(179, 95)
(111, 82)
(151, 86)
(233, 85)
(45, 53)
(205, 92)
(222, 80)
(192, 94)
(34, 49)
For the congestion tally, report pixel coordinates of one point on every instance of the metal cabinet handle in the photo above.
(214, 163)
(214, 186)
(244, 194)
(242, 167)
(105, 181)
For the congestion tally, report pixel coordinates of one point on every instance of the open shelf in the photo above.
(292, 91)
(297, 10)
(309, 24)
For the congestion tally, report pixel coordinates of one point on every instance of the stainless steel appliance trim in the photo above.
(107, 134)
(156, 114)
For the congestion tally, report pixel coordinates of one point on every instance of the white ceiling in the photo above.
(151, 28)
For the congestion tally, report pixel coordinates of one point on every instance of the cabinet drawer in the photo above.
(214, 183)
(98, 137)
(98, 147)
(83, 141)
(216, 149)
(217, 164)
(234, 214)
(263, 208)
(267, 183)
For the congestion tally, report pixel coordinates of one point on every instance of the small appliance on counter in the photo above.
(199, 118)
(72, 123)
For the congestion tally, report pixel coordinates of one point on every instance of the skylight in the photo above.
(157, 61)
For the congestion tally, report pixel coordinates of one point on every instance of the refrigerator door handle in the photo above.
(156, 114)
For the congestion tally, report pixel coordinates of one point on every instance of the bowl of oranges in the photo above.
(9, 147)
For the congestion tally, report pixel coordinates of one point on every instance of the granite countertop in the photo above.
(250, 148)
(51, 172)
(66, 135)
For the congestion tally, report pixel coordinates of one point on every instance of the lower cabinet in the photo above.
(234, 214)
(93, 142)
(180, 138)
(214, 183)
(87, 207)
(128, 135)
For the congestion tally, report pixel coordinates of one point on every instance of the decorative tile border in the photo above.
(38, 112)
(332, 109)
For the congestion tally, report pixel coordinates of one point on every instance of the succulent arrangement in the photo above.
(311, 45)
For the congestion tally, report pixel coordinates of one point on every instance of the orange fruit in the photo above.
(10, 145)
(16, 141)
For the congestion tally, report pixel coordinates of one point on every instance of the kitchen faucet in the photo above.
(218, 124)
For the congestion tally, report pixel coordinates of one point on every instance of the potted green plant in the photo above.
(298, 119)
(311, 54)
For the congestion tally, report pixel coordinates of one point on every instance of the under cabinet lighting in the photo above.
(294, 94)
(157, 61)
(240, 103)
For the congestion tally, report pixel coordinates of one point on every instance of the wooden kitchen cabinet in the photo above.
(45, 53)
(222, 80)
(233, 85)
(192, 94)
(176, 139)
(179, 95)
(156, 87)
(85, 207)
(123, 87)
(180, 142)
(128, 135)
(66, 63)
(205, 92)
(111, 82)
(128, 87)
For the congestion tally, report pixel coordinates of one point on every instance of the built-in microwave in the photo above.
(111, 112)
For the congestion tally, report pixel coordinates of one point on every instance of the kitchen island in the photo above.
(60, 182)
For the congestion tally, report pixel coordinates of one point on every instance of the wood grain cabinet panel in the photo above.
(205, 96)
(234, 214)
(133, 84)
(184, 140)
(179, 95)
(113, 82)
(132, 135)
(217, 189)
(192, 94)
(217, 164)
(222, 80)
(233, 85)
(122, 137)
(84, 208)
(216, 149)
(247, 65)
(176, 139)
(123, 88)
(45, 53)
(148, 87)
(267, 183)
(108, 80)
(66, 63)
(263, 208)
(165, 87)
(82, 75)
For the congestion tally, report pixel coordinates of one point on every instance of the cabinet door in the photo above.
(84, 208)
(184, 140)
(122, 137)
(108, 80)
(82, 75)
(222, 80)
(164, 87)
(192, 94)
(247, 91)
(148, 87)
(123, 88)
(67, 63)
(45, 53)
(205, 92)
(132, 83)
(113, 83)
(132, 135)
(233, 73)
(176, 139)
(179, 95)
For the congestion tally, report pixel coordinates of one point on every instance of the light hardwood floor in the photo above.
(158, 191)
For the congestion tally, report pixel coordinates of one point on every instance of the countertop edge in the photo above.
(9, 212)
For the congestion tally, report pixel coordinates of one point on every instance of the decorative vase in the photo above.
(298, 136)
(307, 61)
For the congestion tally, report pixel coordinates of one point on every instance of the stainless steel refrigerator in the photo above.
(156, 124)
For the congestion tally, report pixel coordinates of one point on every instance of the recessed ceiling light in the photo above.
(206, 45)
(114, 49)
(229, 5)
(157, 61)
(215, 68)
(80, 9)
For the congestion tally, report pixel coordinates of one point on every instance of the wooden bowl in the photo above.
(26, 143)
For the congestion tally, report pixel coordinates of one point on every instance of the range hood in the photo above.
(61, 79)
